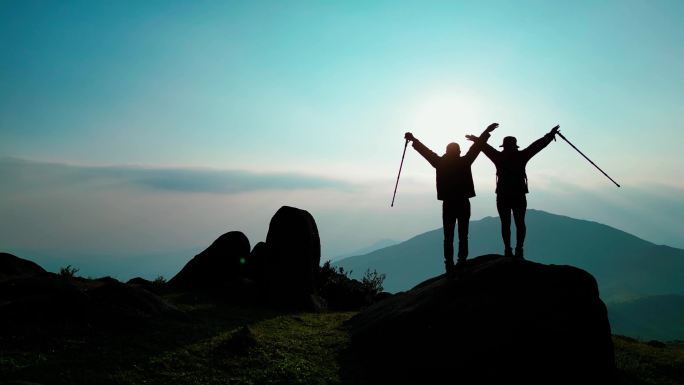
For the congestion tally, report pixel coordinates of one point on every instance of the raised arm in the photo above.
(480, 143)
(491, 152)
(540, 143)
(422, 149)
(488, 150)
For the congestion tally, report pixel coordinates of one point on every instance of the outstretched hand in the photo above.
(409, 136)
(472, 137)
(554, 130)
(491, 127)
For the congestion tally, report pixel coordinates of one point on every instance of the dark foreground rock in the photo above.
(12, 266)
(281, 271)
(499, 321)
(292, 258)
(256, 267)
(48, 302)
(221, 265)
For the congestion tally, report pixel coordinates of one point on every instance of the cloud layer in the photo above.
(68, 210)
(20, 175)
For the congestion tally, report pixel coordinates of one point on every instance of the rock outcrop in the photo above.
(44, 302)
(222, 264)
(282, 270)
(257, 263)
(499, 320)
(12, 266)
(292, 256)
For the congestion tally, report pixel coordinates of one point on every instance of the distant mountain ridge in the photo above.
(379, 244)
(625, 266)
(642, 283)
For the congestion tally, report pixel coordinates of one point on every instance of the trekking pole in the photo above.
(400, 166)
(587, 158)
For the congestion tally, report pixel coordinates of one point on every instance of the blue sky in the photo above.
(306, 104)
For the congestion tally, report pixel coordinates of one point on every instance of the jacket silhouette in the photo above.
(454, 181)
(511, 185)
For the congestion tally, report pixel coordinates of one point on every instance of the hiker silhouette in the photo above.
(454, 188)
(511, 185)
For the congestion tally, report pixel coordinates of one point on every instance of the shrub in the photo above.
(345, 293)
(68, 271)
(160, 280)
(372, 281)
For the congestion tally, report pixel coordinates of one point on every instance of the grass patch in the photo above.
(218, 344)
(286, 349)
(226, 344)
(643, 363)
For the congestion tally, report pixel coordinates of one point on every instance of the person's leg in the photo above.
(449, 224)
(519, 210)
(504, 209)
(463, 217)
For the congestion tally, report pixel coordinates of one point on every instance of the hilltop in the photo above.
(641, 282)
(624, 265)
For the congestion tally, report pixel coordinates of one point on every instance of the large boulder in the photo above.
(257, 262)
(222, 264)
(499, 320)
(292, 257)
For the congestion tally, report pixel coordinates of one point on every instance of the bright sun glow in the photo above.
(441, 118)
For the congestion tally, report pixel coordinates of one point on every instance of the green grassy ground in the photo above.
(218, 344)
(222, 344)
(642, 363)
(285, 349)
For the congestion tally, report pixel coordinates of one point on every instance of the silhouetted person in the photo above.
(511, 185)
(454, 188)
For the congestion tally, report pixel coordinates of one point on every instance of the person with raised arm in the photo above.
(454, 188)
(511, 185)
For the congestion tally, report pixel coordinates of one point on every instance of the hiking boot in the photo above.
(508, 252)
(519, 252)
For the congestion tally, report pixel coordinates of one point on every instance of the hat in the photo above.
(510, 141)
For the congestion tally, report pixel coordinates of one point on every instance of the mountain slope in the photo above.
(659, 317)
(377, 245)
(625, 266)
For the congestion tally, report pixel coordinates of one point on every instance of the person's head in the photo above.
(510, 143)
(453, 149)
